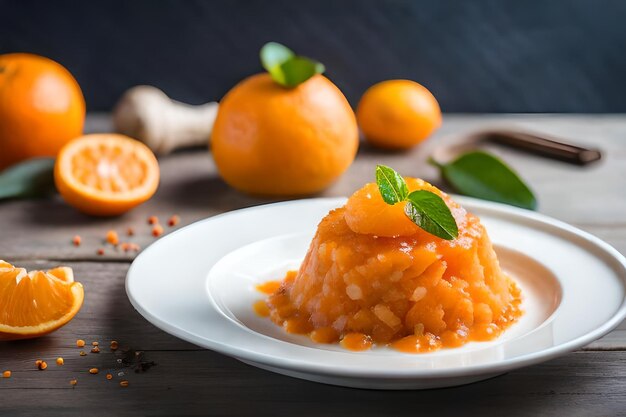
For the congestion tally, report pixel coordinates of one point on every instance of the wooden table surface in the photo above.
(190, 381)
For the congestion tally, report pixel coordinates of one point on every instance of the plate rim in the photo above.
(321, 369)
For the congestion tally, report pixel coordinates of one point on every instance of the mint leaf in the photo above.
(391, 185)
(285, 67)
(32, 178)
(430, 212)
(482, 175)
(424, 208)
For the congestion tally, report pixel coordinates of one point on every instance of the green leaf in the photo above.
(391, 185)
(430, 212)
(482, 175)
(33, 178)
(274, 54)
(298, 69)
(287, 68)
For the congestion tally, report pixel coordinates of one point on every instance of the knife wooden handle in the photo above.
(542, 145)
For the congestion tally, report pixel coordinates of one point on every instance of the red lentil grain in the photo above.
(173, 221)
(112, 237)
(157, 230)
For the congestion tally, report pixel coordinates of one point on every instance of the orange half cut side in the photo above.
(106, 174)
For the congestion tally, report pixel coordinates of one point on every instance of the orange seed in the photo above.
(95, 349)
(82, 353)
(130, 231)
(153, 220)
(41, 365)
(60, 361)
(6, 374)
(124, 383)
(114, 345)
(93, 371)
(80, 343)
(100, 251)
(73, 382)
(109, 377)
(76, 240)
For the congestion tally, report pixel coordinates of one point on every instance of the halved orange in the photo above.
(36, 303)
(106, 174)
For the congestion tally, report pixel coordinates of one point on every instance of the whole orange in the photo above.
(272, 140)
(41, 107)
(398, 114)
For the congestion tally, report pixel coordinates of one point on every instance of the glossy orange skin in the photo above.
(398, 114)
(271, 140)
(41, 107)
(410, 290)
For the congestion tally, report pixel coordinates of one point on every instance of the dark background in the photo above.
(475, 56)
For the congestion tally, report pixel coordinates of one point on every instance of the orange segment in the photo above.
(367, 212)
(35, 303)
(106, 174)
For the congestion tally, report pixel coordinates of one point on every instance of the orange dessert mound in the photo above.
(371, 276)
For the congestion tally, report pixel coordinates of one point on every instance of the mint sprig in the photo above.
(285, 67)
(424, 208)
(392, 187)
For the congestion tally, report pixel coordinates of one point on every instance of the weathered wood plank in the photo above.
(593, 198)
(205, 383)
(106, 315)
(191, 381)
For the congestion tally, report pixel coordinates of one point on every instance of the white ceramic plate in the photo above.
(198, 284)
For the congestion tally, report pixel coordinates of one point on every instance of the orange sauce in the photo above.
(356, 342)
(324, 335)
(269, 287)
(260, 307)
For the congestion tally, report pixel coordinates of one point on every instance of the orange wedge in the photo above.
(106, 174)
(36, 303)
